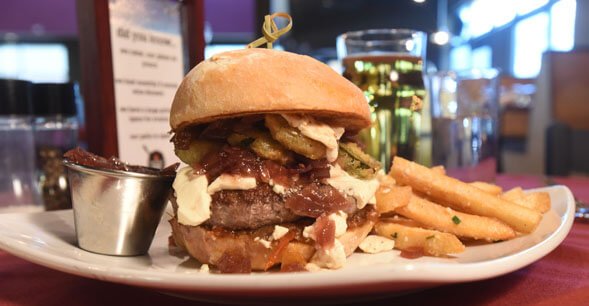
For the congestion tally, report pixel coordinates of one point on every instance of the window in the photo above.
(531, 40)
(482, 57)
(34, 62)
(502, 11)
(526, 6)
(460, 58)
(481, 16)
(482, 21)
(562, 26)
(463, 57)
(536, 26)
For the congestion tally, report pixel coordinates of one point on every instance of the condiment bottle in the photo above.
(56, 132)
(17, 157)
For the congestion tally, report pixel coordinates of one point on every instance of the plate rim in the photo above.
(324, 279)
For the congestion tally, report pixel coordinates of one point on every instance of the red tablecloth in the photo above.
(560, 278)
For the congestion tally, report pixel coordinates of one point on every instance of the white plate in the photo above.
(48, 239)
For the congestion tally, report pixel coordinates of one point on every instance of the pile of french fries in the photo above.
(422, 208)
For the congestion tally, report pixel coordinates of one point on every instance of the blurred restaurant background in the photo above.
(540, 47)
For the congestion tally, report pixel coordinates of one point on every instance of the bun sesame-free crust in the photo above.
(253, 81)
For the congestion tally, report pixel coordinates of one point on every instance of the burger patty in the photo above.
(254, 208)
(249, 209)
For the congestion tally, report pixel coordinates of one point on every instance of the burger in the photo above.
(275, 178)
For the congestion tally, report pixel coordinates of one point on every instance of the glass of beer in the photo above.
(387, 65)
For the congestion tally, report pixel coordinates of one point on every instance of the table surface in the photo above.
(562, 277)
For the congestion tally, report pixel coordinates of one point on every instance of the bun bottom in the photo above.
(208, 245)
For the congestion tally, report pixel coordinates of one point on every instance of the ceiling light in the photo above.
(441, 38)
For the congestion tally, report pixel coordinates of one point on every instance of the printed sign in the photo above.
(147, 68)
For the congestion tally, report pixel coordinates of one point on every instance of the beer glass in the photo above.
(465, 108)
(387, 65)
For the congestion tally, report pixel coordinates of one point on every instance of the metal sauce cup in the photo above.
(116, 212)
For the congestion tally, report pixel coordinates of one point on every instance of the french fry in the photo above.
(538, 201)
(513, 194)
(447, 220)
(432, 242)
(404, 221)
(439, 169)
(488, 188)
(389, 197)
(459, 195)
(386, 180)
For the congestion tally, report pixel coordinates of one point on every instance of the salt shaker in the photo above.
(56, 132)
(17, 159)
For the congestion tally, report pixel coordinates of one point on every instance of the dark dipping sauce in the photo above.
(82, 157)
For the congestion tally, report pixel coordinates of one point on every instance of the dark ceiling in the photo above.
(319, 22)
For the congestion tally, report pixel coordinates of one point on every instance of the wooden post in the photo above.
(97, 76)
(97, 82)
(194, 28)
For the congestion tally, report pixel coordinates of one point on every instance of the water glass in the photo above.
(17, 147)
(465, 109)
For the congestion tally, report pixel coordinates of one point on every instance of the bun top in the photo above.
(253, 81)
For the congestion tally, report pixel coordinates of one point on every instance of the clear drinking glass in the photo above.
(465, 109)
(17, 146)
(17, 162)
(54, 135)
(56, 132)
(387, 65)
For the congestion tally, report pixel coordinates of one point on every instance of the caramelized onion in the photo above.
(234, 261)
(311, 169)
(219, 130)
(82, 157)
(233, 160)
(358, 219)
(412, 253)
(277, 173)
(171, 241)
(241, 161)
(316, 200)
(183, 137)
(324, 232)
